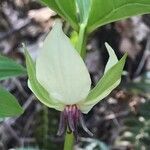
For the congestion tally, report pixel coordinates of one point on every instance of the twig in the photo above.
(118, 115)
(19, 87)
(144, 57)
(12, 132)
(14, 31)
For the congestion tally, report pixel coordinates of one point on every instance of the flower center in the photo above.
(70, 119)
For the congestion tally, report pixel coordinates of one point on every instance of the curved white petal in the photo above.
(61, 70)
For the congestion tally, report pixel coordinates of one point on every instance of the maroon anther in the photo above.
(70, 119)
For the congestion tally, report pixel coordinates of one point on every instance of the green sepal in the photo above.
(106, 84)
(42, 95)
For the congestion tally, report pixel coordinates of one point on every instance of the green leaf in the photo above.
(107, 11)
(8, 104)
(66, 9)
(106, 84)
(9, 68)
(35, 87)
(61, 70)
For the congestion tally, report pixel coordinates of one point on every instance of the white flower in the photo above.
(61, 80)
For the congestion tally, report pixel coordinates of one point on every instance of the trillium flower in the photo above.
(60, 79)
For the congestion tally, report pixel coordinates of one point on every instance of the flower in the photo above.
(60, 79)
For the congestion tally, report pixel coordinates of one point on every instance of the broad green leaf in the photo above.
(66, 9)
(8, 104)
(106, 84)
(83, 8)
(61, 70)
(106, 11)
(35, 87)
(9, 68)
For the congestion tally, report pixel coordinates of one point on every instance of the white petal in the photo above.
(61, 70)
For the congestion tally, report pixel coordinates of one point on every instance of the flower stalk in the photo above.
(69, 141)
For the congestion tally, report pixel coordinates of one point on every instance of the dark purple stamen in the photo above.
(62, 127)
(70, 118)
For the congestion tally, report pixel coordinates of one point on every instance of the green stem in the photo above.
(69, 141)
(81, 43)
